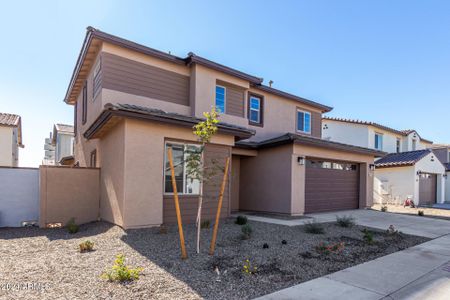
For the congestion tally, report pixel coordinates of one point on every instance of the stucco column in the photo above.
(297, 186)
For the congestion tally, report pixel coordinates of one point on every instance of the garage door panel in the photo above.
(328, 189)
(427, 189)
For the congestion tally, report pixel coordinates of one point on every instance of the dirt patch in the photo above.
(51, 257)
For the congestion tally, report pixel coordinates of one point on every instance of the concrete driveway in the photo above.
(420, 272)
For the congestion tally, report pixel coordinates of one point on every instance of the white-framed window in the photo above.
(414, 145)
(185, 184)
(303, 121)
(378, 141)
(221, 92)
(255, 109)
(398, 145)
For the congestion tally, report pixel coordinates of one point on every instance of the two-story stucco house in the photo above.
(410, 170)
(10, 139)
(63, 141)
(133, 102)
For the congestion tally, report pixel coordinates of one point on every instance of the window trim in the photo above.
(375, 141)
(184, 144)
(84, 104)
(296, 122)
(398, 145)
(261, 109)
(224, 98)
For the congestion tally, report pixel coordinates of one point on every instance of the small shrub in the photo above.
(391, 230)
(345, 221)
(241, 220)
(328, 248)
(86, 246)
(368, 236)
(248, 268)
(314, 228)
(265, 246)
(421, 213)
(205, 224)
(163, 229)
(384, 208)
(120, 272)
(72, 227)
(246, 231)
(284, 242)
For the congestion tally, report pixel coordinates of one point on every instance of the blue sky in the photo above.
(383, 61)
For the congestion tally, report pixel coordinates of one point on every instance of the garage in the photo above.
(331, 185)
(427, 189)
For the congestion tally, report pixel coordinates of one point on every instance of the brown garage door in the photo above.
(331, 186)
(427, 189)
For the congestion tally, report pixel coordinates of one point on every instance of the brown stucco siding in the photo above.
(129, 76)
(316, 124)
(215, 156)
(265, 181)
(235, 97)
(67, 193)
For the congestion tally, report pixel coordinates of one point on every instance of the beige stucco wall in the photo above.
(132, 170)
(6, 146)
(112, 175)
(67, 193)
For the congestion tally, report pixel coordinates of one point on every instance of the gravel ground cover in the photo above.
(49, 259)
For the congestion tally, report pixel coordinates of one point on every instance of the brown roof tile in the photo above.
(9, 119)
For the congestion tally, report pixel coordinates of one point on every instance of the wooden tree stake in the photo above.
(177, 205)
(219, 207)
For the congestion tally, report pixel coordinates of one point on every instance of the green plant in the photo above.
(368, 236)
(345, 221)
(205, 224)
(421, 213)
(72, 227)
(246, 231)
(327, 248)
(314, 228)
(248, 268)
(241, 220)
(120, 272)
(384, 208)
(86, 246)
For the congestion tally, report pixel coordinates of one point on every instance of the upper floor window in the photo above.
(184, 181)
(84, 105)
(414, 145)
(303, 121)
(378, 141)
(255, 110)
(220, 98)
(398, 146)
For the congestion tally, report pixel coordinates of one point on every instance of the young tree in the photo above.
(195, 162)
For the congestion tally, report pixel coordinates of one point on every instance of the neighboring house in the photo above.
(132, 102)
(372, 135)
(59, 146)
(10, 139)
(49, 151)
(63, 141)
(409, 171)
(442, 152)
(417, 175)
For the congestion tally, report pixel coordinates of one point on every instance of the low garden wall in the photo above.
(67, 193)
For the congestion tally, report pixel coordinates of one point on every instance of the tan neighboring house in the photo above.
(132, 102)
(10, 139)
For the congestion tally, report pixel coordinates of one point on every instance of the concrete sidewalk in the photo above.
(427, 227)
(420, 272)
